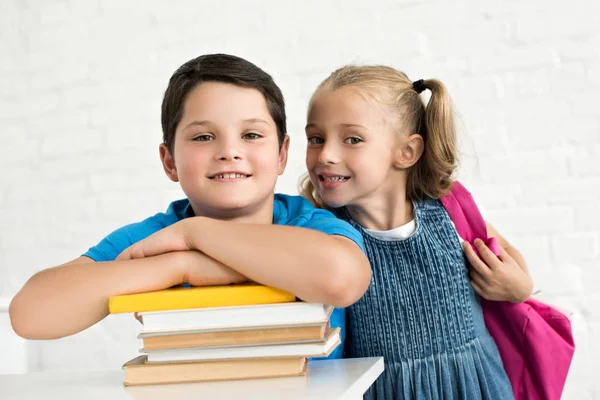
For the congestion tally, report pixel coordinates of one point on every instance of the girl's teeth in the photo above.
(335, 179)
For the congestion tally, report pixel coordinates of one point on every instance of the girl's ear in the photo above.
(168, 162)
(408, 151)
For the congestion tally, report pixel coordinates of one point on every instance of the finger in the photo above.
(480, 280)
(125, 255)
(487, 256)
(478, 289)
(476, 263)
(504, 256)
(164, 241)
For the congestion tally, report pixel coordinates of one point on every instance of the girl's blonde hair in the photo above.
(434, 122)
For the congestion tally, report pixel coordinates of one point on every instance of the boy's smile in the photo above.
(226, 153)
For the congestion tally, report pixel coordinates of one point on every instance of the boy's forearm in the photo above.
(312, 265)
(64, 300)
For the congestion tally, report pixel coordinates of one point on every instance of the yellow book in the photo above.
(179, 298)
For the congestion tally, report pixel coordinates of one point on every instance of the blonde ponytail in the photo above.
(432, 174)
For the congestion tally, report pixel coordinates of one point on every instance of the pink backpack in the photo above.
(534, 340)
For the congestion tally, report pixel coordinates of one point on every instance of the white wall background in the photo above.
(81, 84)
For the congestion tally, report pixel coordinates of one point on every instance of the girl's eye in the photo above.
(203, 138)
(252, 135)
(315, 140)
(353, 140)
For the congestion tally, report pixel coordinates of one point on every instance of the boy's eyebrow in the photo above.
(200, 123)
(209, 123)
(252, 120)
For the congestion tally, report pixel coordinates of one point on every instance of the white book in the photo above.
(217, 318)
(320, 349)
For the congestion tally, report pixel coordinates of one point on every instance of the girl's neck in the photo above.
(383, 211)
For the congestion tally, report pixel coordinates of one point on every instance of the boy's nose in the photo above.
(229, 156)
(228, 152)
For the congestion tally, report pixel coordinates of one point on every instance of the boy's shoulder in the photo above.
(297, 211)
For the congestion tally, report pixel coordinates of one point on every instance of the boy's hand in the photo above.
(497, 278)
(167, 240)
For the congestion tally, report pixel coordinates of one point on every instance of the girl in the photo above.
(382, 159)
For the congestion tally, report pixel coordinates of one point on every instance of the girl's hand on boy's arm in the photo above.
(498, 278)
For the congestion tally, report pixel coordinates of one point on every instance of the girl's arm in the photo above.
(67, 299)
(499, 278)
(312, 265)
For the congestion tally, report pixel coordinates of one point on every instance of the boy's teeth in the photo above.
(229, 176)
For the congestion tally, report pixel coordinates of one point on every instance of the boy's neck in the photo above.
(261, 214)
(383, 211)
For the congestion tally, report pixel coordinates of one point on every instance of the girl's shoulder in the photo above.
(428, 205)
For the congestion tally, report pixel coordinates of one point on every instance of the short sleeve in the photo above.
(112, 245)
(324, 221)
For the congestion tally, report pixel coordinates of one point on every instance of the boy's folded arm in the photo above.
(313, 265)
(67, 299)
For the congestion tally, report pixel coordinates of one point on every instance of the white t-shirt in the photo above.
(400, 233)
(404, 231)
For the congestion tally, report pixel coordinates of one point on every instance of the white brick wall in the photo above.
(81, 84)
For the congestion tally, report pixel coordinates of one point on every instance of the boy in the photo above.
(225, 142)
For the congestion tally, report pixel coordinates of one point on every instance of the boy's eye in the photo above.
(203, 138)
(315, 140)
(252, 135)
(353, 140)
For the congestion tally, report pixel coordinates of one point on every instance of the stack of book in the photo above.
(224, 332)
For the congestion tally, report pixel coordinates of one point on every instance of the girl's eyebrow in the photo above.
(354, 126)
(312, 125)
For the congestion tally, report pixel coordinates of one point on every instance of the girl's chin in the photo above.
(333, 203)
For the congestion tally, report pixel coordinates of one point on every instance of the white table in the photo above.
(327, 379)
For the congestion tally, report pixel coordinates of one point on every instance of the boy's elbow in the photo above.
(349, 281)
(21, 320)
(18, 321)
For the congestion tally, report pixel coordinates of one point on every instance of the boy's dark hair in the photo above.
(218, 68)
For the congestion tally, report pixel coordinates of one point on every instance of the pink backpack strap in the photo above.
(466, 217)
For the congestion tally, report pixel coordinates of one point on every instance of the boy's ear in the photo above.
(168, 162)
(408, 151)
(283, 154)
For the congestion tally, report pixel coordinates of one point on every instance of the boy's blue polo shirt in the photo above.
(287, 210)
